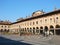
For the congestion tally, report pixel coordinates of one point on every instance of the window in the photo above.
(50, 19)
(5, 26)
(41, 21)
(56, 17)
(25, 29)
(25, 24)
(33, 23)
(2, 26)
(36, 22)
(19, 25)
(8, 26)
(30, 23)
(45, 20)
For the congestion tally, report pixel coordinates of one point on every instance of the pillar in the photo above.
(54, 31)
(39, 31)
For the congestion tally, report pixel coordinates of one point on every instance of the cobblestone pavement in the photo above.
(35, 39)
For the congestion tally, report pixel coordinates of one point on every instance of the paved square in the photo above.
(35, 39)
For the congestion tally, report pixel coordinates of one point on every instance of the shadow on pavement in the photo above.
(5, 41)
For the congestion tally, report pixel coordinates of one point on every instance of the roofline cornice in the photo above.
(39, 16)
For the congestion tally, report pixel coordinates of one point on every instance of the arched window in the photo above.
(56, 17)
(33, 23)
(50, 19)
(36, 22)
(5, 26)
(45, 20)
(40, 21)
(30, 23)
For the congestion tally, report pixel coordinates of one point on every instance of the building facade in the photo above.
(38, 23)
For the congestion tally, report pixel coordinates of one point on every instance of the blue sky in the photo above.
(14, 9)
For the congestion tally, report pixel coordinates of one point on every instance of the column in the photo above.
(54, 31)
(32, 31)
(39, 31)
(35, 31)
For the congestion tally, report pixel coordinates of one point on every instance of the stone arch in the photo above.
(8, 30)
(41, 27)
(1, 30)
(41, 30)
(52, 28)
(25, 28)
(22, 29)
(5, 30)
(46, 28)
(30, 29)
(37, 29)
(33, 30)
(57, 29)
(57, 26)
